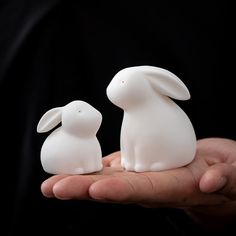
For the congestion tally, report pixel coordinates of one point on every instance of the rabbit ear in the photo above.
(166, 83)
(49, 120)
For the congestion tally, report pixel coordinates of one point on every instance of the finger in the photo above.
(136, 188)
(220, 177)
(111, 159)
(113, 189)
(116, 162)
(72, 187)
(47, 185)
(76, 186)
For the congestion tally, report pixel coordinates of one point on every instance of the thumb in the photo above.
(219, 177)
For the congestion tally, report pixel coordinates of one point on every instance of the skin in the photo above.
(205, 189)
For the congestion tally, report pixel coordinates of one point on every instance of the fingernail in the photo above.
(221, 183)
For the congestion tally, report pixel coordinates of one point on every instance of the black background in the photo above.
(53, 52)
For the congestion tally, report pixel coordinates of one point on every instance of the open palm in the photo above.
(185, 187)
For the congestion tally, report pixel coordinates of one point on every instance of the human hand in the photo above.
(199, 188)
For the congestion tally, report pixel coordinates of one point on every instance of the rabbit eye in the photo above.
(122, 81)
(79, 111)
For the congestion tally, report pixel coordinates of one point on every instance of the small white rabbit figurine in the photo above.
(72, 148)
(156, 134)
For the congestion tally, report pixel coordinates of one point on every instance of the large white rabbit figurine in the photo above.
(156, 134)
(72, 148)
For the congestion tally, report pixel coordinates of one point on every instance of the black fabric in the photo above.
(53, 52)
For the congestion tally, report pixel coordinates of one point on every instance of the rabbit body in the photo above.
(73, 148)
(156, 134)
(69, 154)
(156, 137)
